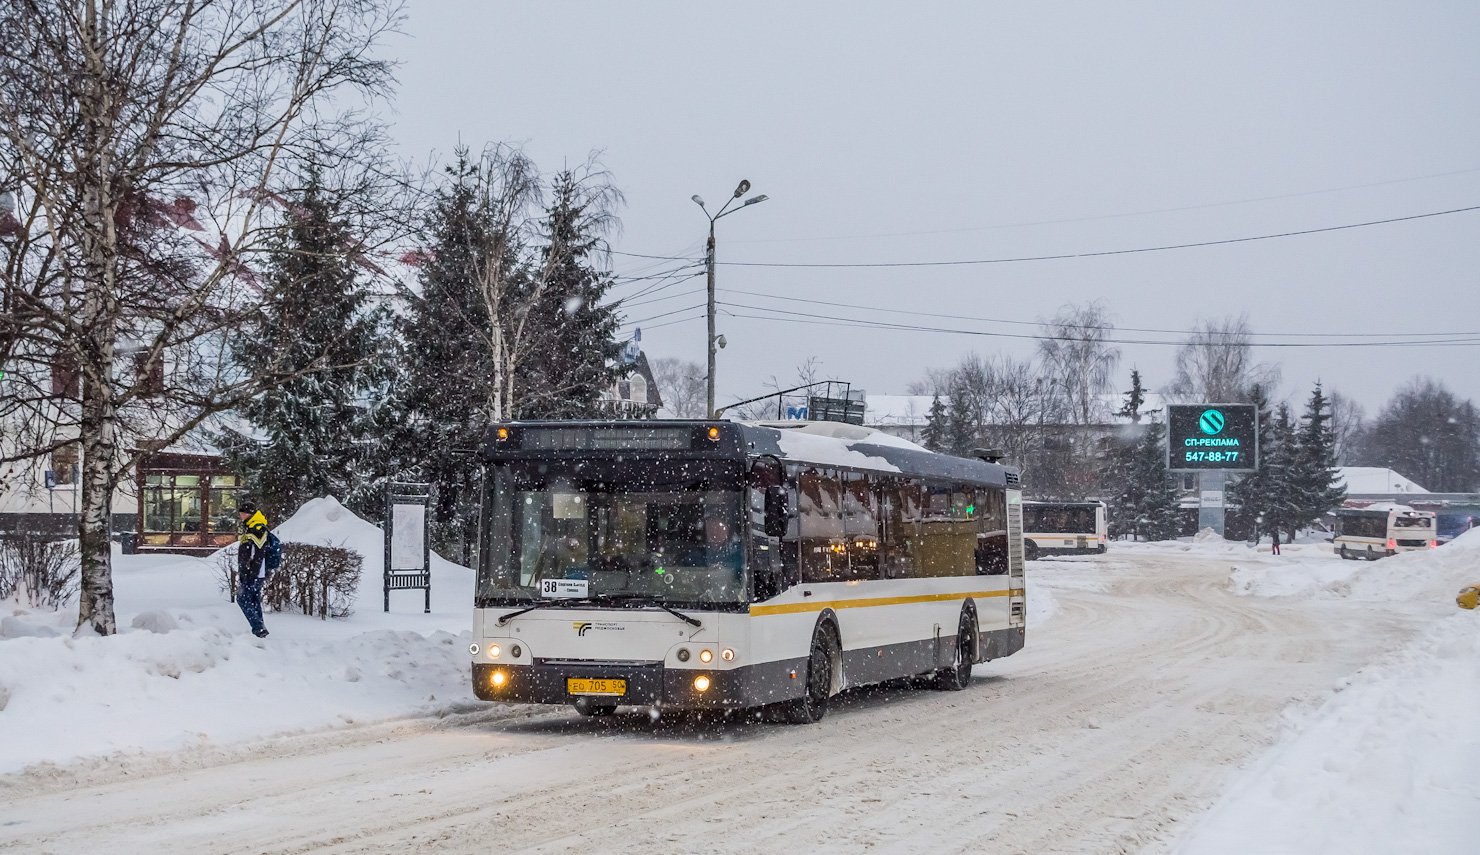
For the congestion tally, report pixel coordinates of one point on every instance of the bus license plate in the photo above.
(596, 687)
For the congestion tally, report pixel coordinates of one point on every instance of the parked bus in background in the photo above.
(1064, 528)
(1382, 530)
(731, 566)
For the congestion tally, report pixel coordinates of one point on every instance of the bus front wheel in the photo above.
(812, 705)
(1030, 550)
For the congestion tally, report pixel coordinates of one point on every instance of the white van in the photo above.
(1383, 529)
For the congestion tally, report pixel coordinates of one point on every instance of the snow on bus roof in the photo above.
(838, 444)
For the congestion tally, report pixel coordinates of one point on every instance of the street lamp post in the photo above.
(709, 264)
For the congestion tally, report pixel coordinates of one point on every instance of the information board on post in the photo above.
(1212, 437)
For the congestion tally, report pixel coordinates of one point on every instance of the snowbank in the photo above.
(1433, 575)
(1391, 764)
(184, 669)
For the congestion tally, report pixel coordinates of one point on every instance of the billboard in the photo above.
(1220, 437)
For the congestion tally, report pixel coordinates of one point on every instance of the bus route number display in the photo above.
(1212, 436)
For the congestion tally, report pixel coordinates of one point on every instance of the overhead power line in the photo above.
(1074, 255)
(835, 320)
(1123, 214)
(1107, 327)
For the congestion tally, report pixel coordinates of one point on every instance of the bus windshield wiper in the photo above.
(651, 599)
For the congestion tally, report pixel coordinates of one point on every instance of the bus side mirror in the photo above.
(777, 514)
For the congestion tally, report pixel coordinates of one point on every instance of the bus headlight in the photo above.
(473, 648)
(706, 655)
(727, 654)
(516, 651)
(701, 683)
(498, 679)
(682, 654)
(493, 651)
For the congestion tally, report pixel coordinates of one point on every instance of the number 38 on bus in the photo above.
(734, 566)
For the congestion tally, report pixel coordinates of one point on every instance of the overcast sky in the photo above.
(948, 131)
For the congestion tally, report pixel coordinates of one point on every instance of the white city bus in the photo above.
(1063, 528)
(731, 566)
(1382, 530)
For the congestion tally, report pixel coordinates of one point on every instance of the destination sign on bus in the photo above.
(1212, 436)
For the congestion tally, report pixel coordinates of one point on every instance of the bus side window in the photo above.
(861, 526)
(991, 532)
(899, 503)
(948, 535)
(824, 556)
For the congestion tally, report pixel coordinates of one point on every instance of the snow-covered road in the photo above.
(1123, 718)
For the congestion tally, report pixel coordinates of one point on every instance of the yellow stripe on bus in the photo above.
(793, 608)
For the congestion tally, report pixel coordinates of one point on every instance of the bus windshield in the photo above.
(676, 546)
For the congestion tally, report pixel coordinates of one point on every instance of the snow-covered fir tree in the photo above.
(1135, 399)
(508, 323)
(1281, 516)
(575, 358)
(937, 431)
(1314, 488)
(1145, 505)
(961, 431)
(1252, 493)
(447, 372)
(315, 434)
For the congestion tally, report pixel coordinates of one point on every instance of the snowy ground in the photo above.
(1313, 704)
(184, 670)
(1392, 763)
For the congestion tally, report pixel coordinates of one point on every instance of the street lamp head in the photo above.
(697, 200)
(742, 189)
(754, 199)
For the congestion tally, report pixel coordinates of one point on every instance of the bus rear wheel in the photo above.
(812, 705)
(1030, 550)
(958, 677)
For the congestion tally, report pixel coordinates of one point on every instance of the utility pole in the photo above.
(716, 340)
(709, 373)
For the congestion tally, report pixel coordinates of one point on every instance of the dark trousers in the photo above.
(250, 599)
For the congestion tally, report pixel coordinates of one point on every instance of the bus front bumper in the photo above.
(643, 684)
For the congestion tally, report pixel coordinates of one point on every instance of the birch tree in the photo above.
(141, 143)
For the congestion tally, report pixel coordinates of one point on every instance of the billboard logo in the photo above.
(1211, 422)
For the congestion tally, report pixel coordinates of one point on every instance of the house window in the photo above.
(64, 465)
(66, 377)
(637, 389)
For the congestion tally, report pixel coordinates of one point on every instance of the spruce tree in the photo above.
(1135, 399)
(1251, 494)
(1281, 513)
(314, 435)
(1314, 488)
(961, 438)
(575, 358)
(447, 378)
(937, 432)
(1146, 505)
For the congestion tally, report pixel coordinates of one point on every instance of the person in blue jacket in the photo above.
(251, 565)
